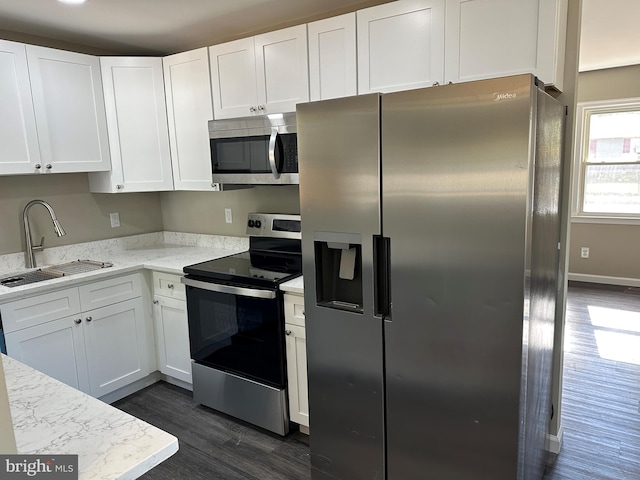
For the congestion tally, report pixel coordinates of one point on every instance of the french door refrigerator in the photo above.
(430, 256)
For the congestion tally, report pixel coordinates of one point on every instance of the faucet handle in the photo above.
(39, 247)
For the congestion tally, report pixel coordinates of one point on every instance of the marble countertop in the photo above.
(168, 253)
(130, 257)
(294, 286)
(50, 417)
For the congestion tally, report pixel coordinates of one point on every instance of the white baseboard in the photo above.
(583, 277)
(555, 441)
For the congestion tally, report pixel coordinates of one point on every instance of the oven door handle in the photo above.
(220, 288)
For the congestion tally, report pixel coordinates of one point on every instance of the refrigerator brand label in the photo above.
(498, 96)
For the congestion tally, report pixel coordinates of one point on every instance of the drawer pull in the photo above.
(170, 285)
(287, 332)
(77, 321)
(89, 319)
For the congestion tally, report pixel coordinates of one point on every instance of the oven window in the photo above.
(237, 334)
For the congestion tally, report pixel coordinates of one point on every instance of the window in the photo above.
(607, 181)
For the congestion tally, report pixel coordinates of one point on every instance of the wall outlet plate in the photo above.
(227, 215)
(584, 252)
(115, 219)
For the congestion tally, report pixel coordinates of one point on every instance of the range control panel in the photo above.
(274, 225)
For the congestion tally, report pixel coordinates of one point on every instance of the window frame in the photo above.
(583, 111)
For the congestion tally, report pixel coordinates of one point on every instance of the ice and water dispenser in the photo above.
(339, 272)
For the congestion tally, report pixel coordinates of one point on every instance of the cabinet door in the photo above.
(172, 337)
(233, 79)
(138, 130)
(55, 348)
(490, 38)
(116, 346)
(332, 57)
(69, 105)
(297, 374)
(18, 134)
(282, 67)
(189, 108)
(400, 45)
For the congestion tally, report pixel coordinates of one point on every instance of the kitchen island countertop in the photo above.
(50, 417)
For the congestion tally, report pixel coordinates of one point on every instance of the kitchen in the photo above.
(199, 212)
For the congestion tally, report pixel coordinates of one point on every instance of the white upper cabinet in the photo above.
(69, 108)
(259, 75)
(189, 108)
(400, 45)
(18, 134)
(332, 57)
(494, 38)
(137, 123)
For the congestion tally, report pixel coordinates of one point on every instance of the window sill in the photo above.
(605, 220)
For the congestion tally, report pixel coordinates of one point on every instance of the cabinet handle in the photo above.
(252, 109)
(77, 321)
(170, 285)
(287, 332)
(48, 166)
(155, 302)
(37, 166)
(261, 108)
(436, 84)
(119, 187)
(88, 319)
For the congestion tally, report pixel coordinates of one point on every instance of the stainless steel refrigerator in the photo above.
(430, 256)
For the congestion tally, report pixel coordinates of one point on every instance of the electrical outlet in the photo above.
(584, 252)
(115, 219)
(227, 215)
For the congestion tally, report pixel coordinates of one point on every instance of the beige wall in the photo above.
(613, 248)
(203, 212)
(84, 216)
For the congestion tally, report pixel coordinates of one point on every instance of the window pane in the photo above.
(612, 189)
(614, 137)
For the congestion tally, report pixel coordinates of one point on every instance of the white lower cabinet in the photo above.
(55, 348)
(295, 340)
(172, 330)
(96, 350)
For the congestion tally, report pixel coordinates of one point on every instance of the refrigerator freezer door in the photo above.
(339, 163)
(456, 176)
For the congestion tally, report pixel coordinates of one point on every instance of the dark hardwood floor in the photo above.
(601, 409)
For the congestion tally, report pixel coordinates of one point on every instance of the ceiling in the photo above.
(610, 33)
(159, 27)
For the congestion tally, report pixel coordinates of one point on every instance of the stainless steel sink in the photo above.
(55, 271)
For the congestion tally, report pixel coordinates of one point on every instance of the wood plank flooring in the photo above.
(601, 409)
(601, 391)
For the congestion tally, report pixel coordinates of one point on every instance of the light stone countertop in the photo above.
(167, 252)
(50, 417)
(294, 286)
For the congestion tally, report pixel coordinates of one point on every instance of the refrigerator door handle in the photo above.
(382, 287)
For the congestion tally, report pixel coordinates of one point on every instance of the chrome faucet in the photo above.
(30, 261)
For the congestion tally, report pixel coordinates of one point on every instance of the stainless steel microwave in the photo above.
(254, 150)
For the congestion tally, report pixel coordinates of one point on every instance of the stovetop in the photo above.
(247, 268)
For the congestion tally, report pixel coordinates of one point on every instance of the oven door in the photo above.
(239, 330)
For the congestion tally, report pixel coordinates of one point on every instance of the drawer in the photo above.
(168, 285)
(110, 291)
(42, 308)
(294, 309)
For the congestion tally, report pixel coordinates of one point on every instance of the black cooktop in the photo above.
(264, 264)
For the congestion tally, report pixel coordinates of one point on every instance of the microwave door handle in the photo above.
(272, 153)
